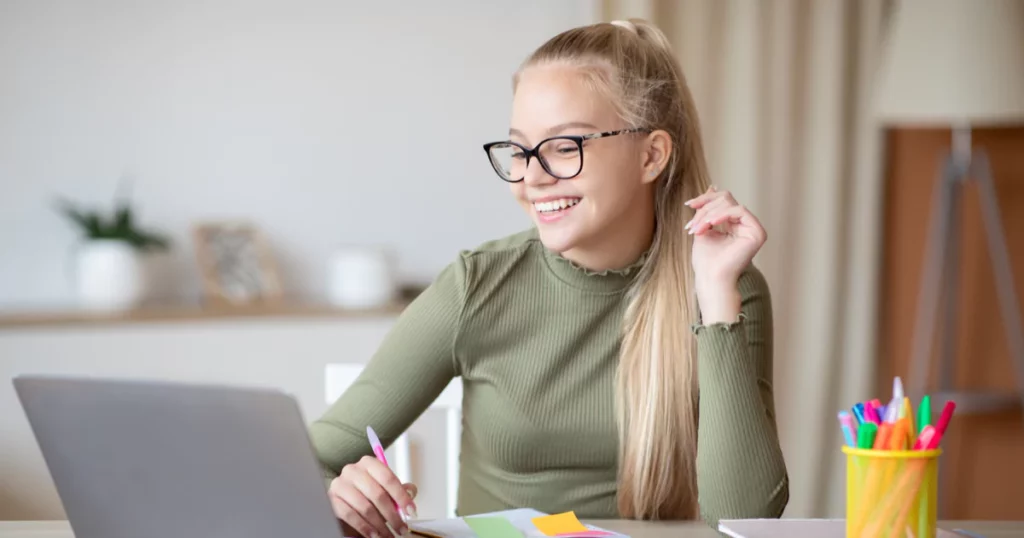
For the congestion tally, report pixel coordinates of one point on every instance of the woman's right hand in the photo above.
(364, 495)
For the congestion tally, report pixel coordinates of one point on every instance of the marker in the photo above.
(878, 405)
(900, 431)
(858, 411)
(378, 450)
(849, 428)
(924, 413)
(885, 431)
(927, 440)
(947, 414)
(907, 411)
(866, 435)
(870, 415)
(892, 411)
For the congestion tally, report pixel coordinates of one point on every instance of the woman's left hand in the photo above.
(726, 238)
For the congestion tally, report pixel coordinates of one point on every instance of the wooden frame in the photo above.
(236, 264)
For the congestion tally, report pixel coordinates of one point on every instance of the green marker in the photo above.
(924, 413)
(866, 435)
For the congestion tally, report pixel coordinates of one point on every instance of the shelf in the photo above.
(193, 311)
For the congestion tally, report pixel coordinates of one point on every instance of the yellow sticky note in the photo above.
(556, 524)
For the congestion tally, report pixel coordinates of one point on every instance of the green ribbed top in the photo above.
(535, 340)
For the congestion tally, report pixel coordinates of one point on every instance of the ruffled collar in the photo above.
(606, 281)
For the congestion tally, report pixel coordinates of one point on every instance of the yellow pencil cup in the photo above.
(891, 493)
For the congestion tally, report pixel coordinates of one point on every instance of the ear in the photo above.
(656, 154)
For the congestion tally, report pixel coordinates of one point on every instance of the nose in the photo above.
(536, 175)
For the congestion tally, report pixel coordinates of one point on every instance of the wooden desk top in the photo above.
(636, 529)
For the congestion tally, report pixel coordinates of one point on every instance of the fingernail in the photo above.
(687, 227)
(405, 531)
(411, 492)
(411, 511)
(375, 535)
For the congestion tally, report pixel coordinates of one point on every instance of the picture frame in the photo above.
(236, 264)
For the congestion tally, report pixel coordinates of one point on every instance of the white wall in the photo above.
(324, 121)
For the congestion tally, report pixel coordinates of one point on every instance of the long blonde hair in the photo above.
(656, 388)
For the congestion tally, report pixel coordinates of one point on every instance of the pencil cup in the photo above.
(891, 493)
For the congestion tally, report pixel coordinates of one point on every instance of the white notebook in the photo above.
(520, 518)
(794, 528)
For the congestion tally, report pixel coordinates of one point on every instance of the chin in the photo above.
(557, 238)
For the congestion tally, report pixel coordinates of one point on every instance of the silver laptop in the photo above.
(142, 459)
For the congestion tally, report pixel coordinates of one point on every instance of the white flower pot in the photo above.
(109, 275)
(361, 278)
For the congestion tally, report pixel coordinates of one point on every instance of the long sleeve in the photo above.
(410, 369)
(741, 472)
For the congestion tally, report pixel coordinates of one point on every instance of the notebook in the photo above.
(794, 528)
(517, 523)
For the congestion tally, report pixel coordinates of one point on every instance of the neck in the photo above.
(616, 248)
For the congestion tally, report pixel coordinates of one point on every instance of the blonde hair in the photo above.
(632, 63)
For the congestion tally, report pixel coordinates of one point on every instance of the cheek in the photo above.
(518, 191)
(610, 181)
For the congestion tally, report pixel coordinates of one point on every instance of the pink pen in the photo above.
(378, 450)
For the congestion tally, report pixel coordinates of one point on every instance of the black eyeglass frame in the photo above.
(531, 153)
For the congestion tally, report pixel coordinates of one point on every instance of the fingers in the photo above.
(371, 483)
(359, 499)
(355, 511)
(711, 194)
(396, 491)
(708, 207)
(749, 225)
(412, 490)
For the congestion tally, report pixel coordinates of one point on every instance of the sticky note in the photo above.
(493, 527)
(564, 523)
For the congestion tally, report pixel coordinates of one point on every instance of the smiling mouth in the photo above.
(554, 206)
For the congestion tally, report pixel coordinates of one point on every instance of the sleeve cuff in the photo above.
(699, 327)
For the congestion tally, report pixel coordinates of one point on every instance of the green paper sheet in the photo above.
(493, 527)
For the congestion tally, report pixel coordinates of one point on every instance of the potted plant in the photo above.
(109, 270)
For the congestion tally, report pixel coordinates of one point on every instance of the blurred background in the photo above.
(245, 192)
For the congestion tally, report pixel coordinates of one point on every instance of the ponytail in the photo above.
(656, 386)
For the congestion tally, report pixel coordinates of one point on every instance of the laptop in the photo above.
(133, 459)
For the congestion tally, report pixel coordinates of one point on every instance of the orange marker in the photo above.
(898, 438)
(884, 434)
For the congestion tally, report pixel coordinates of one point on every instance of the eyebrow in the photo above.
(557, 128)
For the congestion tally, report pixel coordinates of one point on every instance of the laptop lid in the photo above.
(172, 460)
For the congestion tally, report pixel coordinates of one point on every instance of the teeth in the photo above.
(555, 205)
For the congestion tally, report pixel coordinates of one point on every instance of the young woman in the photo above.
(616, 358)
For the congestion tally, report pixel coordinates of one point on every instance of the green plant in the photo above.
(120, 225)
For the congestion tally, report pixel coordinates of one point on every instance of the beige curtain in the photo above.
(783, 88)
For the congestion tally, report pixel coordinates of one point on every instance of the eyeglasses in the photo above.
(560, 156)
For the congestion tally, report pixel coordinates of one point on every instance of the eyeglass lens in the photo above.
(560, 157)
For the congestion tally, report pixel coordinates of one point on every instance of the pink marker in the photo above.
(947, 414)
(871, 415)
(941, 425)
(378, 450)
(927, 439)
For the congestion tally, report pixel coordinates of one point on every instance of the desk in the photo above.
(636, 529)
